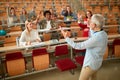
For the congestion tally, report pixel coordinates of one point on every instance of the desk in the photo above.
(14, 24)
(65, 21)
(46, 43)
(42, 30)
(109, 26)
(63, 28)
(14, 33)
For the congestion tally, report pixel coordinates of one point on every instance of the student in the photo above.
(32, 13)
(23, 18)
(49, 24)
(84, 23)
(68, 14)
(95, 47)
(29, 35)
(12, 17)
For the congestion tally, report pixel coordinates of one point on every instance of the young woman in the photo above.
(29, 35)
(68, 14)
(12, 17)
(84, 25)
(23, 18)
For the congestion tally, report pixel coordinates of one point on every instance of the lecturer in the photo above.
(95, 47)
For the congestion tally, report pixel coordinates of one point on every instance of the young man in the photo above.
(95, 47)
(49, 24)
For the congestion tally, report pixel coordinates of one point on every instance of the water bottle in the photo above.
(17, 41)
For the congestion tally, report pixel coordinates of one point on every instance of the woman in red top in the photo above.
(84, 24)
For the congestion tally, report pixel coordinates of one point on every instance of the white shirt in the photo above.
(24, 37)
(48, 25)
(95, 48)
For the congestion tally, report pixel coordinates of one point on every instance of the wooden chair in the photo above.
(40, 59)
(106, 54)
(116, 47)
(15, 63)
(46, 36)
(15, 28)
(113, 30)
(79, 57)
(62, 24)
(10, 41)
(2, 38)
(74, 24)
(79, 33)
(65, 63)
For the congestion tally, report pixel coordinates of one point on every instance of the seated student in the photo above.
(23, 18)
(29, 35)
(32, 13)
(49, 24)
(68, 14)
(85, 23)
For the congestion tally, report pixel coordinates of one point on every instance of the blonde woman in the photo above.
(29, 35)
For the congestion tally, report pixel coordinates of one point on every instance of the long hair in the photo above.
(70, 13)
(89, 12)
(23, 9)
(26, 26)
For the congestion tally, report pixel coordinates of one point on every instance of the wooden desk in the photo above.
(15, 24)
(42, 30)
(46, 43)
(14, 33)
(65, 28)
(109, 26)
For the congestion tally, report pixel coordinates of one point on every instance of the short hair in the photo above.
(98, 19)
(45, 12)
(12, 8)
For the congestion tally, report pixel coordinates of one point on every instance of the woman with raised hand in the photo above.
(12, 17)
(23, 18)
(29, 35)
(85, 23)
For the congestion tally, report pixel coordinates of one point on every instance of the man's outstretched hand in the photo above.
(65, 33)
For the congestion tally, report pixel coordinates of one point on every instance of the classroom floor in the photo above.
(110, 70)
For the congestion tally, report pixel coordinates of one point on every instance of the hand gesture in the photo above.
(40, 14)
(8, 5)
(65, 33)
(79, 16)
(28, 43)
